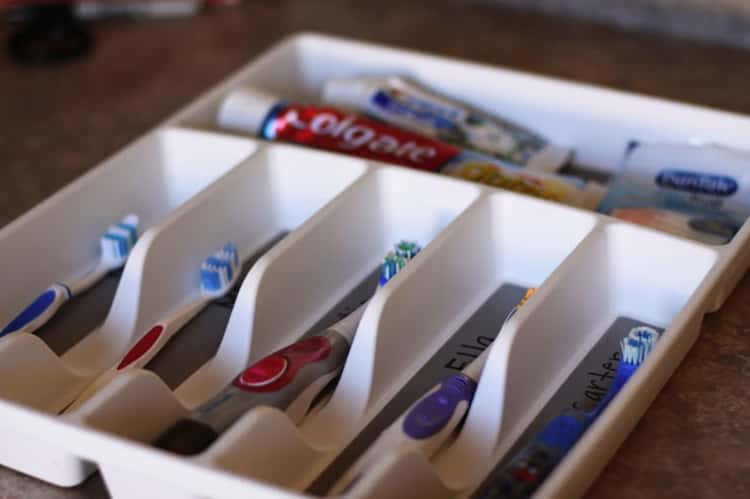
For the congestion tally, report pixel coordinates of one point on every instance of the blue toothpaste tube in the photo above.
(406, 105)
(698, 192)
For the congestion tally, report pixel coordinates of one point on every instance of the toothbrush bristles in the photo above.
(219, 270)
(396, 260)
(638, 344)
(407, 249)
(119, 241)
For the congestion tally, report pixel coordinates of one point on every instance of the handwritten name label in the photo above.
(467, 353)
(600, 379)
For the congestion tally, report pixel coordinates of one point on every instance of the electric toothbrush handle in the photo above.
(527, 470)
(296, 374)
(288, 380)
(434, 417)
(41, 310)
(425, 427)
(292, 377)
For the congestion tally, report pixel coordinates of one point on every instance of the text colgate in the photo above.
(331, 129)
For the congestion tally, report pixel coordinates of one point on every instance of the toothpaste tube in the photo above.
(335, 130)
(698, 192)
(408, 106)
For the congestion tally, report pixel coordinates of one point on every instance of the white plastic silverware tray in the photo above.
(195, 187)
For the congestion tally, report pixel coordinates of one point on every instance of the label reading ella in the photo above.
(697, 183)
(336, 131)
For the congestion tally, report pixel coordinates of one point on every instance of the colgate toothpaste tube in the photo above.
(406, 105)
(328, 128)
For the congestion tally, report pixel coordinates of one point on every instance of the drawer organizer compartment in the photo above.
(311, 229)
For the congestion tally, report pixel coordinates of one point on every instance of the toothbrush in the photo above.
(533, 464)
(289, 379)
(115, 246)
(219, 273)
(431, 421)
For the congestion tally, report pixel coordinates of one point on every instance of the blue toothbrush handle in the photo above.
(521, 477)
(527, 470)
(39, 311)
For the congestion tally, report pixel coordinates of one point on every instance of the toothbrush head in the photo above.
(407, 249)
(528, 294)
(220, 271)
(395, 261)
(638, 344)
(118, 242)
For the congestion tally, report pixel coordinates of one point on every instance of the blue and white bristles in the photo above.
(119, 240)
(638, 344)
(396, 260)
(115, 248)
(220, 270)
(635, 347)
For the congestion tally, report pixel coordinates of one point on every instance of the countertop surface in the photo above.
(721, 21)
(58, 122)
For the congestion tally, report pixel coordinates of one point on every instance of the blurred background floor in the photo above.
(57, 122)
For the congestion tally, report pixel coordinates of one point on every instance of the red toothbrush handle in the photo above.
(279, 369)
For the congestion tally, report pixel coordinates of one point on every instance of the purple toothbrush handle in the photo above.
(433, 412)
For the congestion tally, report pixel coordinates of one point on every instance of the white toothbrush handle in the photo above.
(81, 284)
(39, 311)
(142, 351)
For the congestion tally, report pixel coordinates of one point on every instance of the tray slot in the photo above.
(587, 384)
(599, 443)
(466, 344)
(629, 273)
(195, 345)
